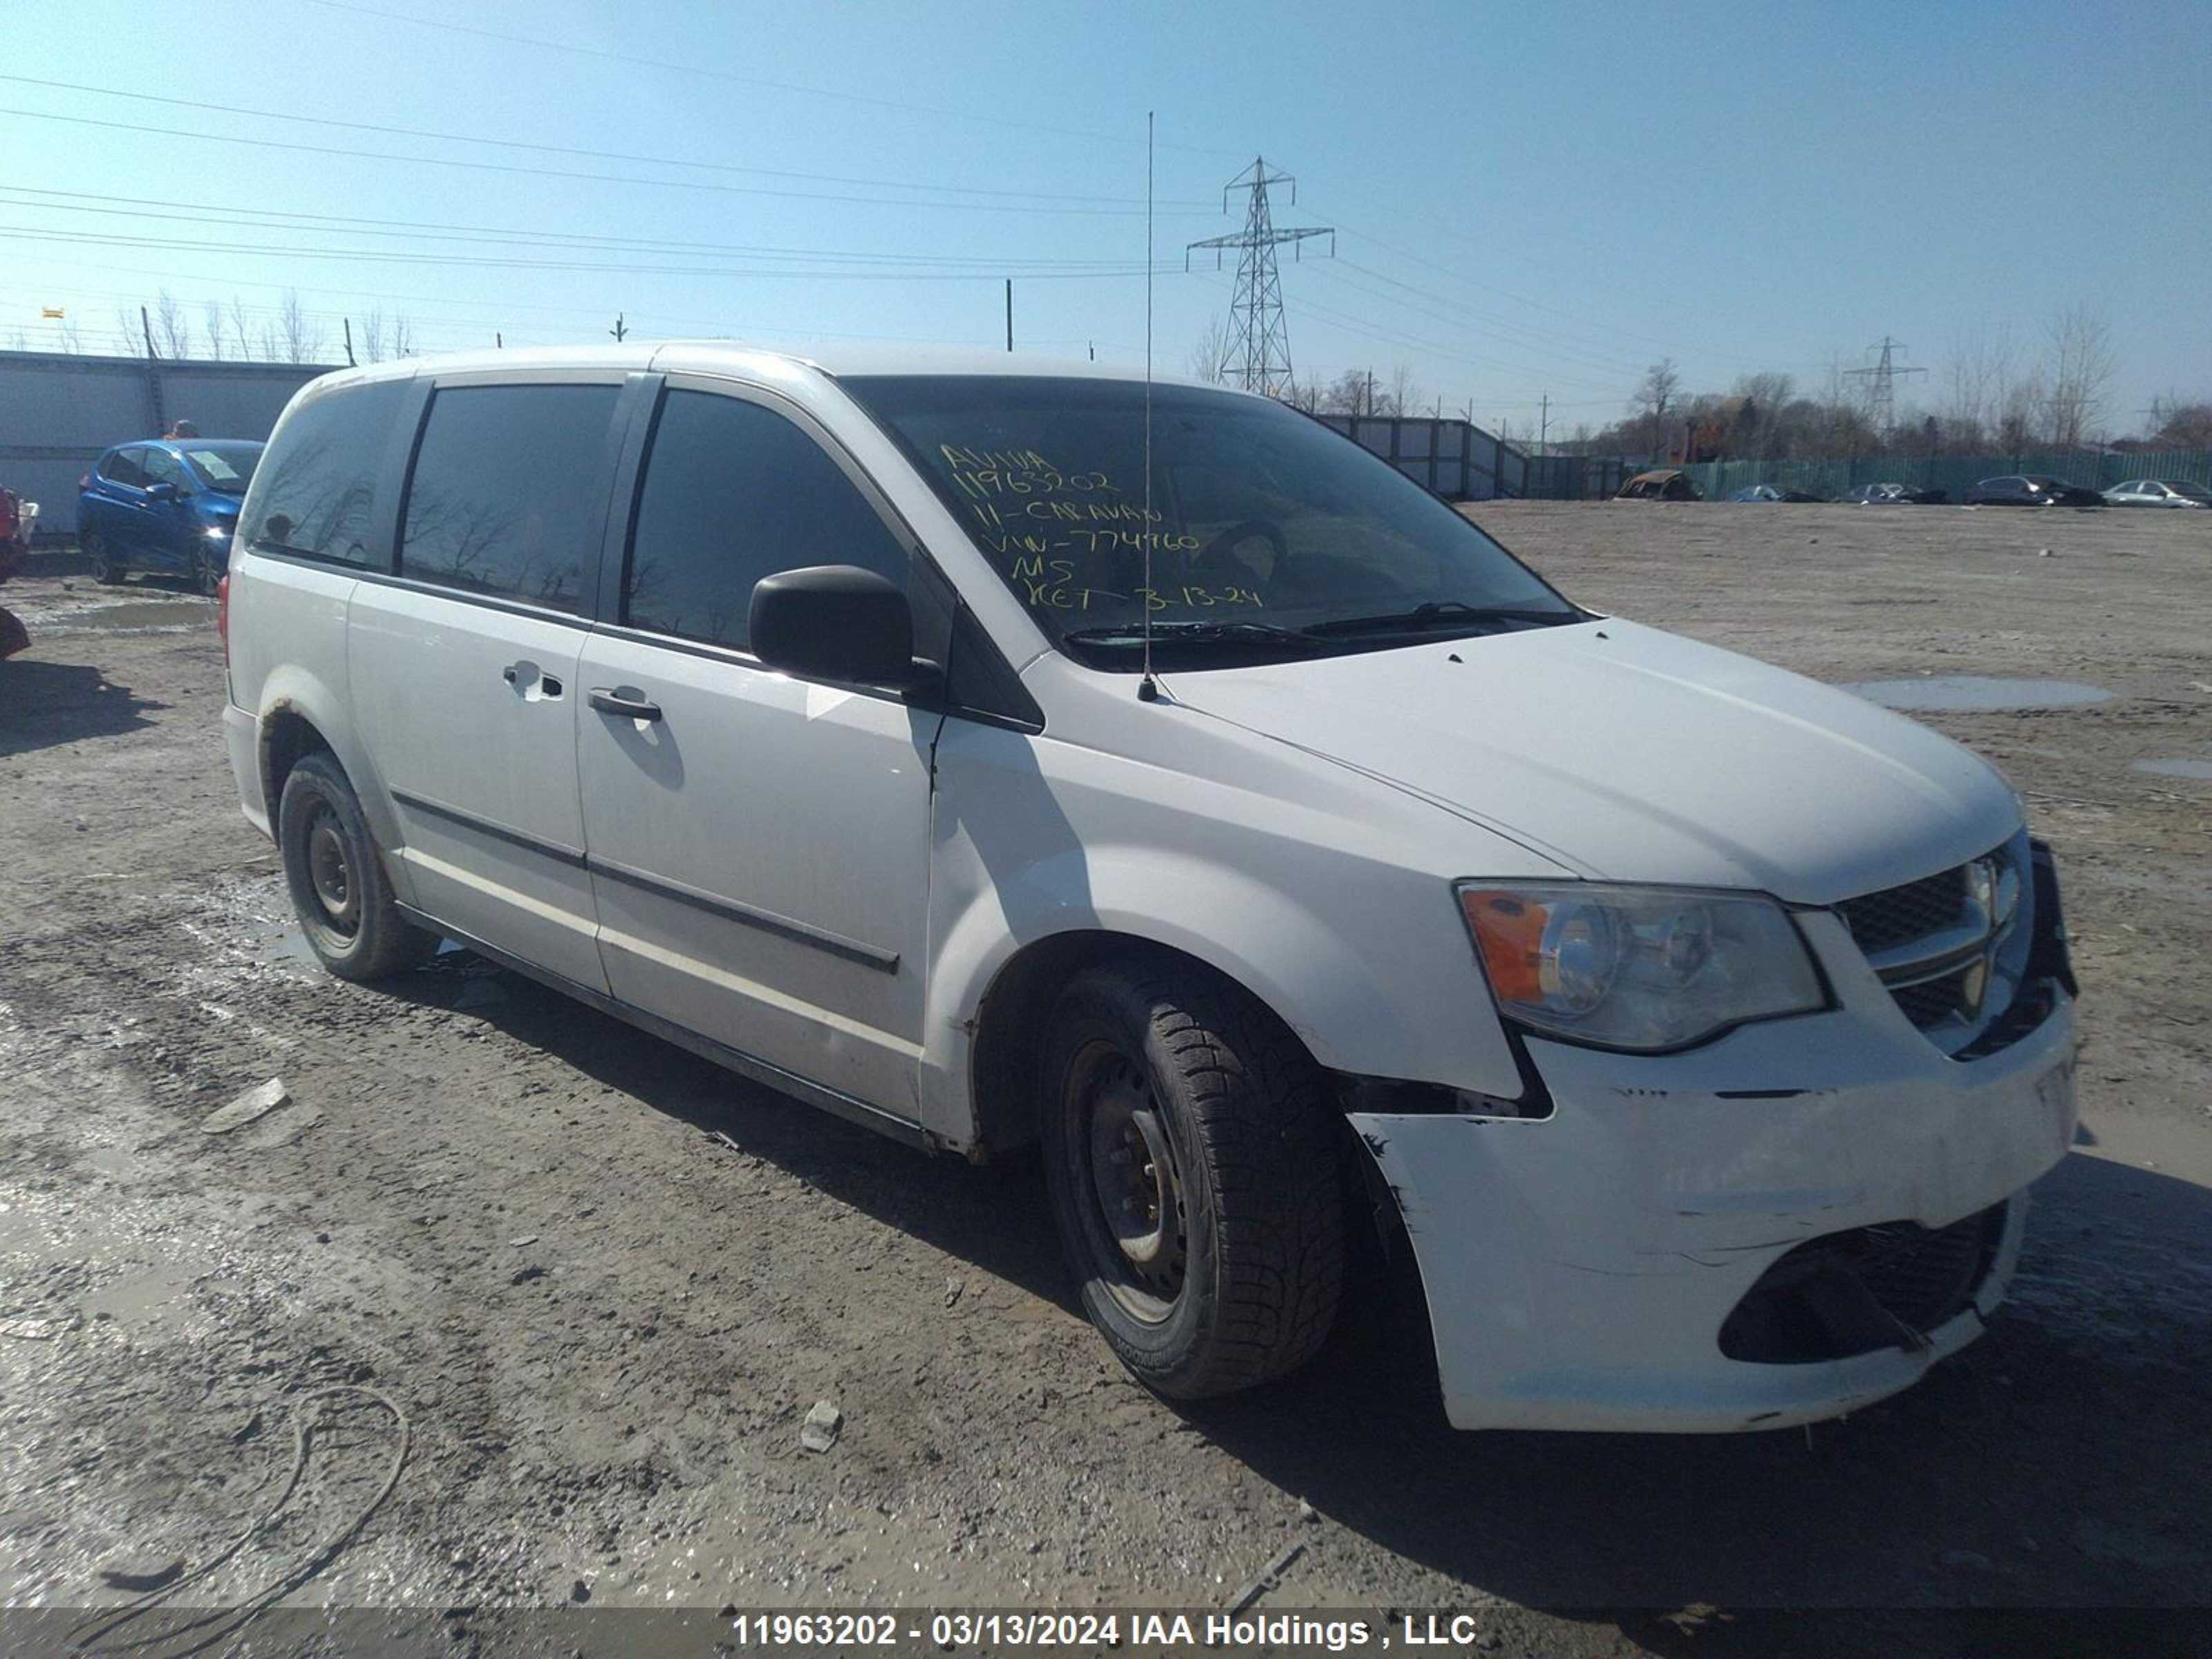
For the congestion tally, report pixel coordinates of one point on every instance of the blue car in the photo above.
(168, 505)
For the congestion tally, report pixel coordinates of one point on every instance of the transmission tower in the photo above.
(1881, 383)
(1258, 357)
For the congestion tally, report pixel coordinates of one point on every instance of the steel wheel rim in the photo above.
(330, 873)
(1130, 1187)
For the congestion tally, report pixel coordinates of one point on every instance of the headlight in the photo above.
(1637, 967)
(215, 532)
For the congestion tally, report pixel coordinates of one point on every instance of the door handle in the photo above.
(609, 701)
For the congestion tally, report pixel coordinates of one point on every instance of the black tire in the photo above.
(339, 888)
(1227, 1269)
(105, 570)
(206, 574)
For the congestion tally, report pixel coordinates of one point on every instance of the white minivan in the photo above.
(999, 753)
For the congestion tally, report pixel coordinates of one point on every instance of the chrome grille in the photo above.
(1912, 935)
(1898, 915)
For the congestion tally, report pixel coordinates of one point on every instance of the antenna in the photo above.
(1148, 689)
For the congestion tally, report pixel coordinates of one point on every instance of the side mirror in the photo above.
(837, 621)
(164, 492)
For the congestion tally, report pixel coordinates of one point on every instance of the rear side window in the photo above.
(500, 499)
(122, 467)
(163, 467)
(734, 492)
(317, 482)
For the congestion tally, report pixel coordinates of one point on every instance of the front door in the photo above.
(759, 845)
(170, 524)
(464, 672)
(123, 516)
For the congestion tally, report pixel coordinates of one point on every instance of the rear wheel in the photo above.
(1191, 1156)
(101, 558)
(339, 890)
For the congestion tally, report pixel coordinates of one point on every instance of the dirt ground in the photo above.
(603, 1282)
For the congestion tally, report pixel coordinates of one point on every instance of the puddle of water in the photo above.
(287, 948)
(120, 617)
(1967, 693)
(2199, 769)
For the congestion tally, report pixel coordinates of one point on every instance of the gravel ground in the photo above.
(601, 1283)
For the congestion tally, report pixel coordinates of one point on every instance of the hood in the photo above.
(1626, 754)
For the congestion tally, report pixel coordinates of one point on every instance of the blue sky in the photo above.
(1528, 200)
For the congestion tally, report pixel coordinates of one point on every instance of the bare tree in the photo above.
(71, 341)
(213, 313)
(2080, 371)
(1655, 394)
(174, 329)
(130, 334)
(1406, 396)
(302, 339)
(403, 337)
(1209, 355)
(372, 336)
(239, 327)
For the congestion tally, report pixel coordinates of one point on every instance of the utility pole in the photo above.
(1543, 425)
(1010, 313)
(1259, 355)
(347, 321)
(1371, 392)
(620, 329)
(1881, 387)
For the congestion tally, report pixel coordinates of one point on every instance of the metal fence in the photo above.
(1463, 463)
(59, 410)
(1955, 474)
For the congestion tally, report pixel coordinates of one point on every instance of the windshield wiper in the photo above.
(1184, 633)
(1439, 614)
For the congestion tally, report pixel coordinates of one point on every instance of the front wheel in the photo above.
(101, 558)
(339, 890)
(206, 574)
(1192, 1159)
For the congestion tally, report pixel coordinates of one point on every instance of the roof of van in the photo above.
(836, 361)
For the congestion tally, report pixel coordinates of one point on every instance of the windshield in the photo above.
(228, 468)
(1260, 517)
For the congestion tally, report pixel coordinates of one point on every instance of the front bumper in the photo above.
(1579, 1267)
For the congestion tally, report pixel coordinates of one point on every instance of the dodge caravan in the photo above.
(997, 753)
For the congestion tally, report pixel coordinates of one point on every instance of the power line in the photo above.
(139, 207)
(384, 256)
(568, 149)
(1646, 342)
(1535, 340)
(663, 63)
(516, 169)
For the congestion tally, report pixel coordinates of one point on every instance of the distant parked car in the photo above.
(167, 504)
(1776, 493)
(1894, 494)
(1665, 484)
(2158, 492)
(2030, 489)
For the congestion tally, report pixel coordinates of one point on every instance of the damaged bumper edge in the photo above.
(1579, 1267)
